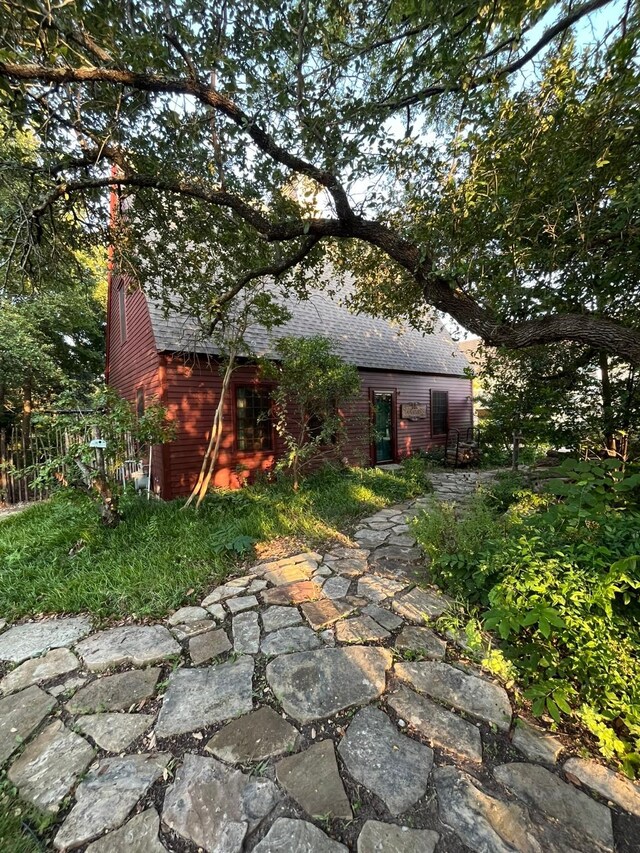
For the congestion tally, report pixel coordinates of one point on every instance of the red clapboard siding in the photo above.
(134, 362)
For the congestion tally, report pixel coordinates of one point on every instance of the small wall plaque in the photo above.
(100, 443)
(413, 411)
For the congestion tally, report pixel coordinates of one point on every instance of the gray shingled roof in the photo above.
(359, 339)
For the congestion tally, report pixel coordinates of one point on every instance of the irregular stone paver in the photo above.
(207, 646)
(138, 835)
(361, 629)
(254, 737)
(287, 834)
(55, 663)
(336, 587)
(138, 645)
(193, 629)
(313, 780)
(187, 614)
(217, 612)
(396, 552)
(246, 633)
(48, 769)
(196, 698)
(243, 602)
(543, 790)
(107, 795)
(214, 806)
(440, 727)
(610, 785)
(256, 586)
(286, 640)
(376, 588)
(313, 685)
(322, 572)
(349, 568)
(536, 743)
(468, 693)
(227, 590)
(370, 538)
(282, 575)
(279, 617)
(33, 638)
(481, 821)
(378, 837)
(20, 715)
(68, 687)
(420, 606)
(321, 614)
(393, 766)
(421, 640)
(114, 732)
(383, 617)
(293, 593)
(115, 692)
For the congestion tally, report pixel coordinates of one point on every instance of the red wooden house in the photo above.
(413, 386)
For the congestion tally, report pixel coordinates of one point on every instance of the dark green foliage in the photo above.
(58, 557)
(558, 582)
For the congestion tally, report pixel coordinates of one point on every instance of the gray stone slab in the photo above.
(276, 617)
(241, 602)
(538, 788)
(370, 538)
(312, 779)
(287, 640)
(393, 766)
(536, 743)
(187, 614)
(186, 630)
(49, 767)
(215, 806)
(115, 692)
(383, 617)
(196, 698)
(107, 795)
(468, 693)
(378, 837)
(482, 822)
(20, 715)
(227, 590)
(313, 685)
(217, 611)
(440, 727)
(246, 633)
(207, 646)
(288, 835)
(257, 586)
(421, 641)
(396, 552)
(114, 732)
(138, 835)
(336, 587)
(360, 629)
(33, 638)
(137, 645)
(38, 670)
(377, 588)
(420, 606)
(254, 737)
(68, 687)
(606, 782)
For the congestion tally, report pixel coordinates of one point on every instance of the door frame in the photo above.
(394, 423)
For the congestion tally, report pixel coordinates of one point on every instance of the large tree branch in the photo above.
(545, 39)
(203, 93)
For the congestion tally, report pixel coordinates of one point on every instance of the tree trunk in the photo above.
(608, 416)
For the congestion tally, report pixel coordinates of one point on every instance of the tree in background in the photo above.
(479, 160)
(312, 384)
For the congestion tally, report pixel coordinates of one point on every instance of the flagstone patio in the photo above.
(308, 706)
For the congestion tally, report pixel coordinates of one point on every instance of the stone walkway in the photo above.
(306, 707)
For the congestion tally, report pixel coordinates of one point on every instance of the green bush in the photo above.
(558, 577)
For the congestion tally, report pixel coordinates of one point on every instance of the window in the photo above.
(439, 412)
(254, 429)
(121, 311)
(315, 427)
(140, 401)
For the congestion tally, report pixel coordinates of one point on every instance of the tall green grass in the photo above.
(57, 557)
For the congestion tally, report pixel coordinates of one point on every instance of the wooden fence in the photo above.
(32, 462)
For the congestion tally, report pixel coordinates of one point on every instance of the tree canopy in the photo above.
(476, 159)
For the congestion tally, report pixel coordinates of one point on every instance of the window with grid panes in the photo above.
(254, 429)
(439, 412)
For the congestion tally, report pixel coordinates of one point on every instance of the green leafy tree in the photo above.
(478, 160)
(312, 383)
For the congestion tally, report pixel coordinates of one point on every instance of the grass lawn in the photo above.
(57, 557)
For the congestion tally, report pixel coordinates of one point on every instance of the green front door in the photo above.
(383, 405)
